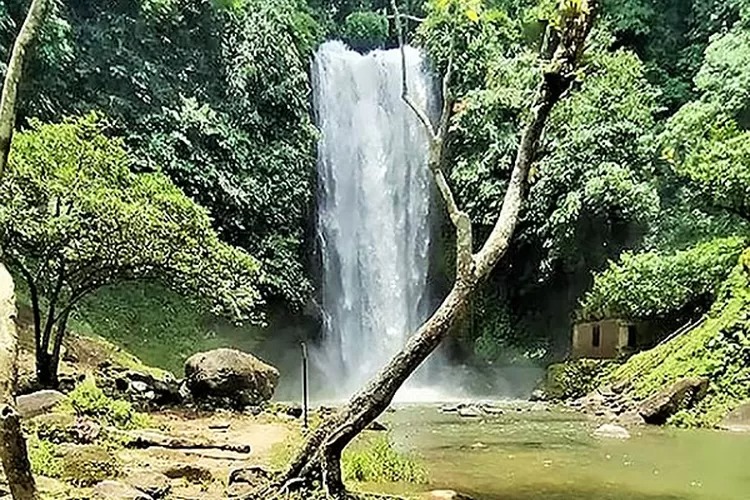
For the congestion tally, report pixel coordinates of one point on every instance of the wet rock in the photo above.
(152, 483)
(115, 490)
(143, 389)
(452, 408)
(738, 420)
(38, 403)
(229, 378)
(611, 431)
(682, 394)
(630, 419)
(189, 472)
(377, 427)
(538, 395)
(446, 495)
(469, 412)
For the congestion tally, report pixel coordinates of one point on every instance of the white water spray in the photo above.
(373, 209)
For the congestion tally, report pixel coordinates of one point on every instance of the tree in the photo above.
(224, 113)
(321, 454)
(13, 450)
(73, 218)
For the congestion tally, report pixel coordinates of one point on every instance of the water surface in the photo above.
(535, 454)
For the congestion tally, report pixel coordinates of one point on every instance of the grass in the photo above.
(719, 350)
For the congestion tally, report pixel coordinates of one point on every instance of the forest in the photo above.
(163, 194)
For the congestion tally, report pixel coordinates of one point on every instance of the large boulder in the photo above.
(681, 395)
(229, 378)
(38, 403)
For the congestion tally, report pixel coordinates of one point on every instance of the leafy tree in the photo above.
(73, 218)
(365, 31)
(652, 285)
(223, 112)
(592, 192)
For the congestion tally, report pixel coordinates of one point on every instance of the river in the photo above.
(530, 453)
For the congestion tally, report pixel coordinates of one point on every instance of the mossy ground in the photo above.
(718, 349)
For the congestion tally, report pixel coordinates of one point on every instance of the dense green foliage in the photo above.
(214, 94)
(73, 218)
(651, 285)
(365, 30)
(718, 349)
(574, 379)
(375, 459)
(592, 192)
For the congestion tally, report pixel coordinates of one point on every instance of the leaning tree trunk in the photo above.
(28, 33)
(12, 443)
(320, 457)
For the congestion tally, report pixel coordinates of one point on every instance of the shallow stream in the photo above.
(531, 453)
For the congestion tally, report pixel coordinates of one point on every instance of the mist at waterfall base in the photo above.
(376, 216)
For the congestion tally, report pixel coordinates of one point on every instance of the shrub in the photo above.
(577, 378)
(365, 31)
(377, 460)
(88, 400)
(45, 457)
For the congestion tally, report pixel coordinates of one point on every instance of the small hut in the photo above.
(607, 338)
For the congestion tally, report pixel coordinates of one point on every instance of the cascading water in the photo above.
(373, 209)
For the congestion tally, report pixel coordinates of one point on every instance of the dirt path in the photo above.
(203, 473)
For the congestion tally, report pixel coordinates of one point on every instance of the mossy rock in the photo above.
(576, 378)
(87, 465)
(54, 427)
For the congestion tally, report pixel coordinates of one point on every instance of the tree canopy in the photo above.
(74, 218)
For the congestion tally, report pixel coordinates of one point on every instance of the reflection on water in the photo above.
(535, 454)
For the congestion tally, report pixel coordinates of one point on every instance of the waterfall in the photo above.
(373, 209)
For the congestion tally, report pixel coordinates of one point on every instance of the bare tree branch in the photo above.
(437, 138)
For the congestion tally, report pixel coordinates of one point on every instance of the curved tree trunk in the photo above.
(27, 35)
(320, 457)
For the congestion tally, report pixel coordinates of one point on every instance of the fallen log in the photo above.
(147, 439)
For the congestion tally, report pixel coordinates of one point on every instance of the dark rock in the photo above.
(38, 403)
(377, 427)
(253, 475)
(229, 378)
(143, 389)
(682, 394)
(115, 490)
(452, 408)
(189, 472)
(152, 483)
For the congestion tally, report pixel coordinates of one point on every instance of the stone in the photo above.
(538, 395)
(630, 419)
(86, 465)
(230, 378)
(738, 420)
(377, 427)
(611, 431)
(452, 408)
(469, 412)
(85, 431)
(446, 495)
(38, 403)
(152, 483)
(253, 475)
(683, 394)
(115, 490)
(189, 472)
